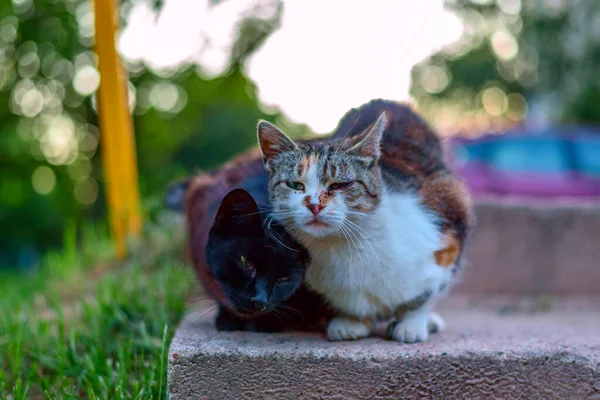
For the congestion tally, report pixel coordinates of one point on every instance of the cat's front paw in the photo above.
(226, 321)
(347, 329)
(229, 326)
(265, 326)
(412, 328)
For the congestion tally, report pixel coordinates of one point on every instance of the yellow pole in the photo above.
(116, 132)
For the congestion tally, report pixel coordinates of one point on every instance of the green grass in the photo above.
(85, 326)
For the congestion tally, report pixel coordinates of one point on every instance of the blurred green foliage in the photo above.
(537, 56)
(50, 167)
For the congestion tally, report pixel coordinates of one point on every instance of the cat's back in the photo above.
(411, 150)
(413, 164)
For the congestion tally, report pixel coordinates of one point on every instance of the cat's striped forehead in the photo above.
(325, 161)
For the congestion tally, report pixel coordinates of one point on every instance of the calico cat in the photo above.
(384, 219)
(254, 272)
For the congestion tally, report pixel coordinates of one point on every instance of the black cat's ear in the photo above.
(238, 214)
(175, 196)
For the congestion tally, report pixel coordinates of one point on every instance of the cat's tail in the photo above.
(174, 198)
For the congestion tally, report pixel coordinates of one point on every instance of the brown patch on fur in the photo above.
(448, 255)
(372, 299)
(306, 201)
(445, 195)
(300, 168)
(324, 199)
(416, 154)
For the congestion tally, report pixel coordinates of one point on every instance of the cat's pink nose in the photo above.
(315, 209)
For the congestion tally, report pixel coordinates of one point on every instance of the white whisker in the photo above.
(363, 264)
(351, 225)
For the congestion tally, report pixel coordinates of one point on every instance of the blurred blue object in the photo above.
(546, 162)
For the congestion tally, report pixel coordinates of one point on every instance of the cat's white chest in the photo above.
(387, 262)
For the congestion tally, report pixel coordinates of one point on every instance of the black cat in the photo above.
(253, 269)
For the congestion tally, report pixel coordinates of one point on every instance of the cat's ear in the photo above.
(238, 213)
(273, 141)
(369, 144)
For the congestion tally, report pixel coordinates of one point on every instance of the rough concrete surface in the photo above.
(501, 349)
(525, 247)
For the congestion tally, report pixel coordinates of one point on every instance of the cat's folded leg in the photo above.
(415, 321)
(414, 327)
(266, 324)
(347, 328)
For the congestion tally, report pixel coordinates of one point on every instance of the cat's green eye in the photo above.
(283, 279)
(247, 264)
(295, 185)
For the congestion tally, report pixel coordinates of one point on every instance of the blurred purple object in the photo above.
(541, 163)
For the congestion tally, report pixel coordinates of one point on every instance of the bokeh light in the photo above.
(505, 45)
(43, 180)
(58, 143)
(517, 107)
(494, 101)
(434, 78)
(86, 80)
(86, 191)
(167, 97)
(512, 7)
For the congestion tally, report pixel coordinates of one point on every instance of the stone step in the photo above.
(540, 348)
(525, 247)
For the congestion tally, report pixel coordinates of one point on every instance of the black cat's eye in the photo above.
(295, 185)
(283, 279)
(247, 264)
(340, 185)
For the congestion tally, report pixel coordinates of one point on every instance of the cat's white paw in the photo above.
(412, 328)
(347, 329)
(435, 323)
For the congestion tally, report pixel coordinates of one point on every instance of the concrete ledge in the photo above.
(496, 350)
(533, 247)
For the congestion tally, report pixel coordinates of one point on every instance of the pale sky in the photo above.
(328, 56)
